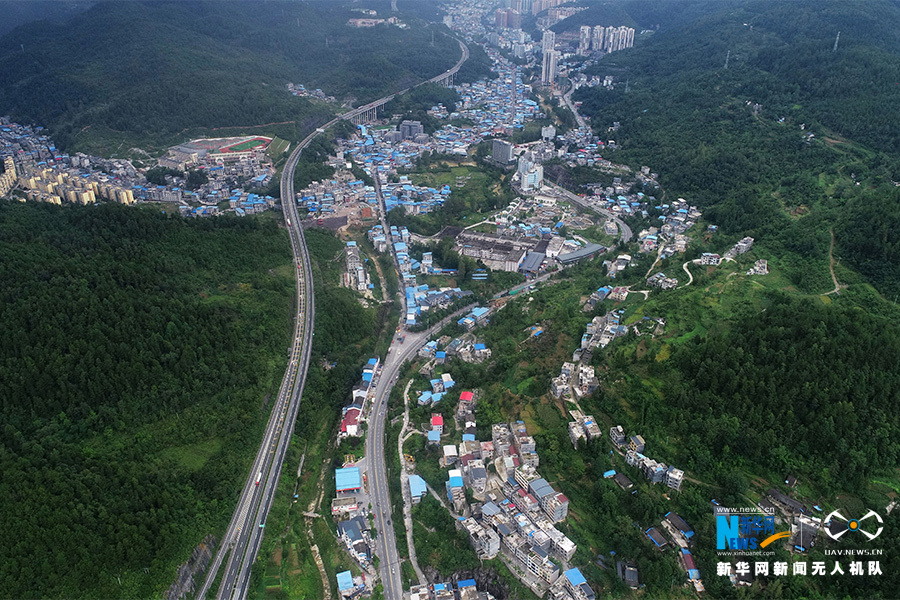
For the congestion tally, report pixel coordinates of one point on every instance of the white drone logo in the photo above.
(854, 525)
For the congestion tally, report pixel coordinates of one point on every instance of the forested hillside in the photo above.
(782, 144)
(137, 354)
(138, 73)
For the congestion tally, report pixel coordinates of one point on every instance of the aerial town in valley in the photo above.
(533, 298)
(236, 172)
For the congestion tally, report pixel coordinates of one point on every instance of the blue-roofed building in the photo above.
(345, 581)
(577, 585)
(417, 488)
(434, 437)
(680, 525)
(466, 583)
(347, 480)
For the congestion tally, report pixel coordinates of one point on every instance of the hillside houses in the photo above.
(662, 282)
(352, 413)
(583, 427)
(741, 247)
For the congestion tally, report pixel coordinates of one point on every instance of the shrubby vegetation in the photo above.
(415, 104)
(136, 359)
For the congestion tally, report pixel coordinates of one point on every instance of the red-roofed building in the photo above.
(466, 396)
(557, 507)
(350, 422)
(526, 501)
(437, 422)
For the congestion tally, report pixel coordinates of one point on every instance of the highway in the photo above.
(243, 537)
(244, 533)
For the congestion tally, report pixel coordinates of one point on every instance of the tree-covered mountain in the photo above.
(16, 12)
(145, 72)
(136, 356)
(784, 143)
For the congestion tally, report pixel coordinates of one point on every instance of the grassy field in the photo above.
(277, 147)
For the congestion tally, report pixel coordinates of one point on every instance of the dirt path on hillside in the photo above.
(837, 286)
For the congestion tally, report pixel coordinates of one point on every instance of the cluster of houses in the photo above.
(440, 385)
(299, 90)
(244, 203)
(352, 413)
(744, 245)
(383, 152)
(669, 238)
(680, 536)
(320, 197)
(654, 471)
(711, 259)
(496, 106)
(614, 266)
(466, 589)
(415, 199)
(514, 513)
(352, 528)
(478, 316)
(602, 330)
(382, 242)
(760, 267)
(584, 427)
(463, 347)
(354, 534)
(424, 299)
(576, 379)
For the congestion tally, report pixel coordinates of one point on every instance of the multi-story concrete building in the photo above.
(502, 152)
(549, 68)
(584, 39)
(8, 179)
(575, 583)
(410, 129)
(484, 539)
(674, 477)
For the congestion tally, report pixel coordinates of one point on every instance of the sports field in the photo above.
(246, 145)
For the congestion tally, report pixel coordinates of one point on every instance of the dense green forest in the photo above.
(16, 13)
(145, 73)
(137, 357)
(791, 140)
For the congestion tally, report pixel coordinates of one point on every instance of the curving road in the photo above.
(567, 98)
(244, 534)
(624, 230)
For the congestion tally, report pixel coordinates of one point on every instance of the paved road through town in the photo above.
(244, 534)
